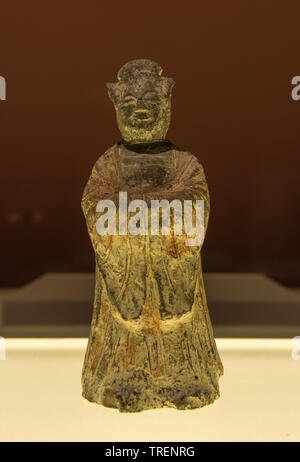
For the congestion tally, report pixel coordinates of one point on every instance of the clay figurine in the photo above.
(151, 342)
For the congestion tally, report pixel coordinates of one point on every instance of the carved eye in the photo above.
(128, 100)
(151, 97)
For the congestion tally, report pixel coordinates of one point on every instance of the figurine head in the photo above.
(142, 99)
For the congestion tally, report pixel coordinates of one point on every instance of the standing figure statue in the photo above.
(151, 342)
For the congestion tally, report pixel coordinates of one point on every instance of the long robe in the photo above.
(151, 342)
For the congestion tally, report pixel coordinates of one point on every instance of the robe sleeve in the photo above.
(103, 184)
(189, 183)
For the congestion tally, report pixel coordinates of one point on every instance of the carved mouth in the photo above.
(141, 114)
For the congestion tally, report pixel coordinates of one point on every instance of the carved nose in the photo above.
(140, 105)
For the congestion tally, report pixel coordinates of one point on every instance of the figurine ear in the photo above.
(167, 84)
(171, 83)
(111, 91)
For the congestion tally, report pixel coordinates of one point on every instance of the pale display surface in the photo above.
(40, 397)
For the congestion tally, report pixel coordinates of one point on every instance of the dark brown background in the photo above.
(232, 63)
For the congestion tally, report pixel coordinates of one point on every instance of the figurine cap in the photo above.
(141, 66)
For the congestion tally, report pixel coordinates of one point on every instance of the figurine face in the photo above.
(140, 111)
(143, 111)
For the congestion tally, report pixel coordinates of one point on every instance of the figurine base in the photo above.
(138, 404)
